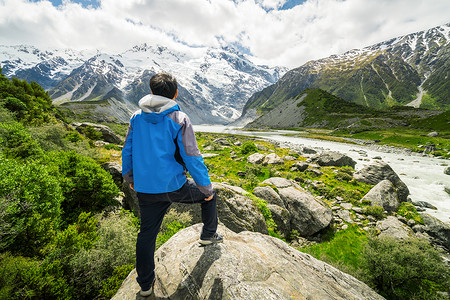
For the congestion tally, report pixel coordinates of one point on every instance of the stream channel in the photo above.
(423, 174)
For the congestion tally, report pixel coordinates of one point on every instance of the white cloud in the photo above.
(315, 29)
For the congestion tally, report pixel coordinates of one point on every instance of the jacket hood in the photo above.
(156, 107)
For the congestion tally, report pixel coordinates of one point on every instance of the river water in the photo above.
(423, 175)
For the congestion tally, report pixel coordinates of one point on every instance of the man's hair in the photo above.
(163, 84)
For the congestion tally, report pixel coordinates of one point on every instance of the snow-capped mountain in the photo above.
(214, 83)
(408, 70)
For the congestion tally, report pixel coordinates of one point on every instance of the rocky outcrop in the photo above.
(272, 159)
(107, 134)
(384, 194)
(392, 227)
(332, 158)
(115, 169)
(256, 158)
(246, 266)
(299, 166)
(307, 214)
(438, 230)
(447, 171)
(235, 210)
(378, 171)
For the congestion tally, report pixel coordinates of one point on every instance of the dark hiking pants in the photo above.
(153, 208)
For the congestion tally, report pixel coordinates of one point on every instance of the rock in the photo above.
(332, 158)
(246, 266)
(300, 166)
(107, 134)
(392, 227)
(346, 205)
(235, 210)
(437, 229)
(222, 142)
(424, 204)
(237, 143)
(378, 171)
(411, 223)
(115, 169)
(447, 189)
(279, 182)
(308, 214)
(289, 158)
(384, 194)
(315, 172)
(273, 159)
(282, 218)
(429, 148)
(268, 193)
(447, 171)
(241, 173)
(433, 134)
(255, 158)
(261, 147)
(131, 201)
(344, 215)
(307, 150)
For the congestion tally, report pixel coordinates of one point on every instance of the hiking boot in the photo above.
(147, 292)
(216, 238)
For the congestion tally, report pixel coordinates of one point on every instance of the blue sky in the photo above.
(84, 3)
(274, 32)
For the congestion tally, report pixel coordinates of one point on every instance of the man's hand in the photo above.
(132, 186)
(209, 198)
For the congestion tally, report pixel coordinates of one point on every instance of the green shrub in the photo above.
(111, 285)
(409, 211)
(30, 201)
(16, 141)
(91, 133)
(248, 147)
(405, 269)
(85, 185)
(112, 147)
(343, 176)
(115, 247)
(376, 211)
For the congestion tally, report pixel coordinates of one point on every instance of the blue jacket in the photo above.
(159, 145)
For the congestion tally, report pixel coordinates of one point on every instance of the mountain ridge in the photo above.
(394, 72)
(214, 83)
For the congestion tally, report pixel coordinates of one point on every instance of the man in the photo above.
(160, 145)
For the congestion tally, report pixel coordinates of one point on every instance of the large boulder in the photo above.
(384, 194)
(282, 218)
(308, 214)
(332, 158)
(107, 134)
(392, 227)
(268, 193)
(235, 210)
(255, 158)
(379, 171)
(246, 266)
(115, 169)
(272, 159)
(437, 229)
(447, 171)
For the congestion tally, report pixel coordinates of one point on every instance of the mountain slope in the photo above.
(215, 83)
(410, 68)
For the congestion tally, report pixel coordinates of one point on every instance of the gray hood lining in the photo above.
(155, 104)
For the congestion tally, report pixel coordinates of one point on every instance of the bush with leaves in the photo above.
(248, 147)
(115, 247)
(85, 185)
(30, 201)
(405, 269)
(16, 141)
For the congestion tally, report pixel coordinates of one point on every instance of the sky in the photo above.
(274, 32)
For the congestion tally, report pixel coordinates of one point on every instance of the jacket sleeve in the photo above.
(192, 157)
(127, 158)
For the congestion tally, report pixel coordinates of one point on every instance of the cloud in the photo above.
(273, 35)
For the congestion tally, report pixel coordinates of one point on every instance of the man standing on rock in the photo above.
(160, 145)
